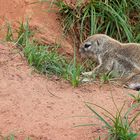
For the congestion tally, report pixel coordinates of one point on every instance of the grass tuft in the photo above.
(48, 61)
(118, 125)
(136, 97)
(114, 18)
(45, 59)
(107, 77)
(9, 33)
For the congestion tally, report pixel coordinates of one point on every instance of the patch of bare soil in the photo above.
(41, 108)
(35, 106)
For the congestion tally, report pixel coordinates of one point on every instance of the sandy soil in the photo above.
(38, 107)
(41, 108)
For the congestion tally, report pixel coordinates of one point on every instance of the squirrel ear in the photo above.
(98, 42)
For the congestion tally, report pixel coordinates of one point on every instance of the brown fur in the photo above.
(111, 55)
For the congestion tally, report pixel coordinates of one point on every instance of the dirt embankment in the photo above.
(42, 108)
(49, 30)
(48, 109)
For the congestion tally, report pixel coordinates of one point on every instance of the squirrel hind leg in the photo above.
(132, 82)
(134, 86)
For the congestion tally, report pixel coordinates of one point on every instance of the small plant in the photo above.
(45, 61)
(73, 71)
(23, 33)
(9, 34)
(12, 137)
(118, 126)
(19, 35)
(136, 98)
(48, 61)
(106, 77)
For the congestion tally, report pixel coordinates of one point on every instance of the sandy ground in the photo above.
(41, 108)
(38, 107)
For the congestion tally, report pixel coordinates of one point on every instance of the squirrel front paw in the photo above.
(90, 73)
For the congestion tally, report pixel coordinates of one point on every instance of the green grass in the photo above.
(135, 97)
(12, 137)
(73, 72)
(45, 59)
(107, 77)
(23, 33)
(118, 125)
(50, 62)
(9, 33)
(19, 35)
(105, 16)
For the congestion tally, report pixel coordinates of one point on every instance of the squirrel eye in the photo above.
(87, 44)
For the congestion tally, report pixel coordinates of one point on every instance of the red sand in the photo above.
(42, 108)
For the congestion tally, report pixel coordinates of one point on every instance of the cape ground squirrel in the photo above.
(111, 55)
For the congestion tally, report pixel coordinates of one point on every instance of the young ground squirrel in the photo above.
(111, 55)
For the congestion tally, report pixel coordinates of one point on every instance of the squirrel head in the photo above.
(93, 46)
